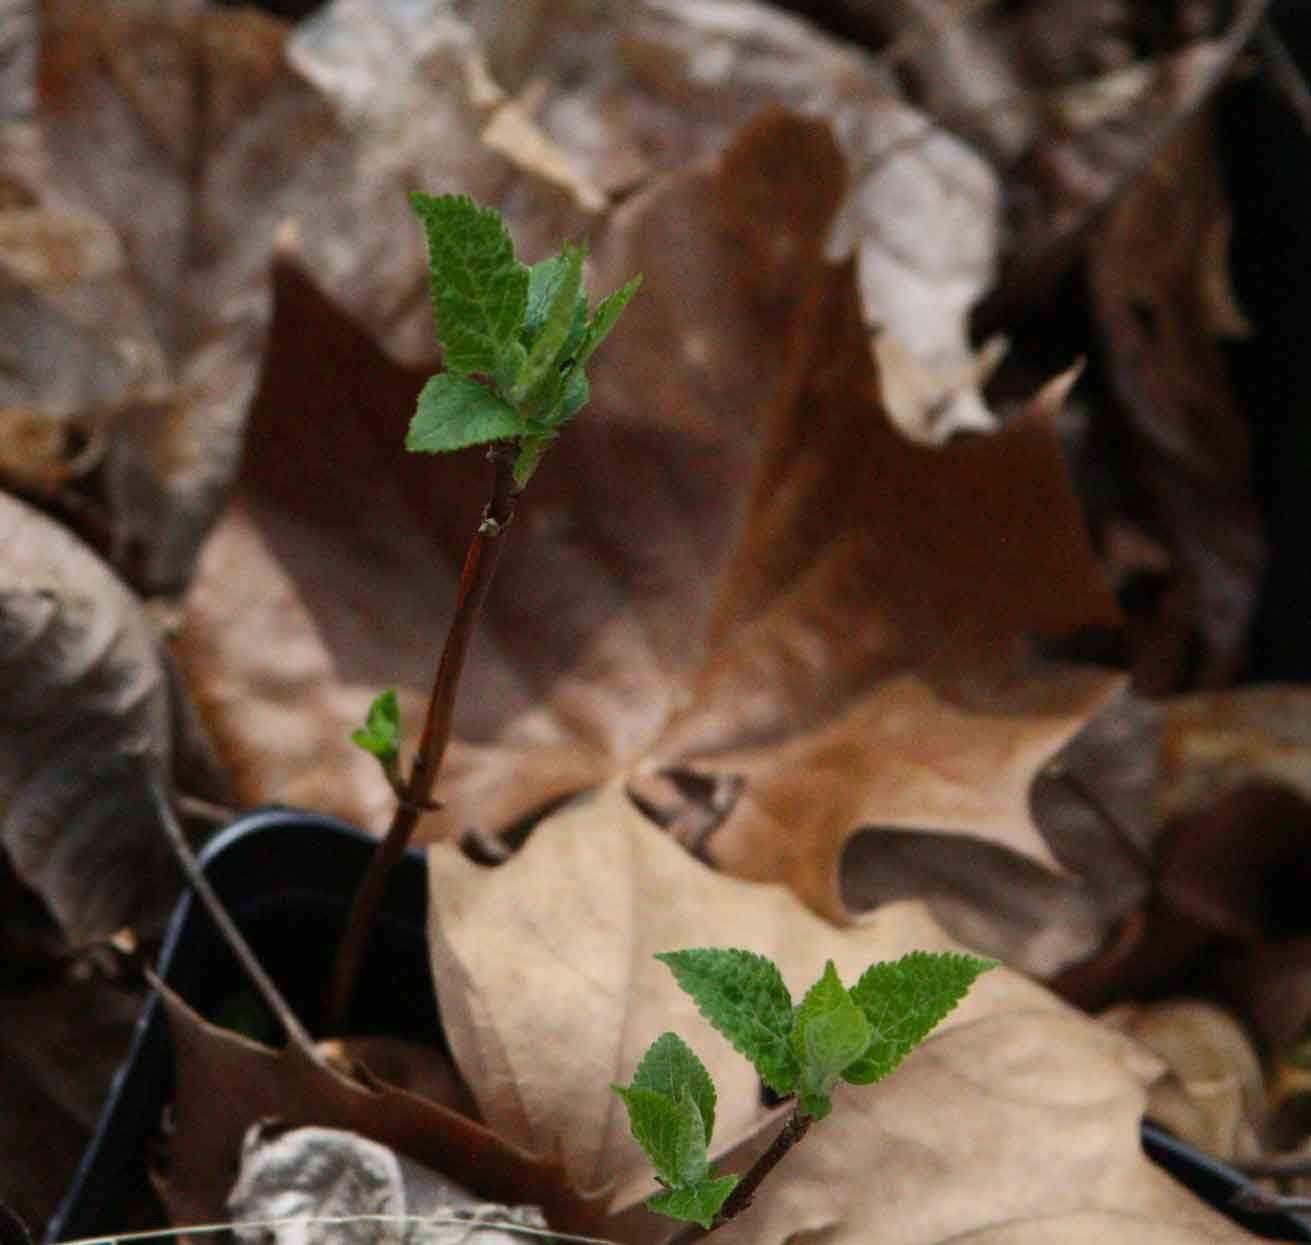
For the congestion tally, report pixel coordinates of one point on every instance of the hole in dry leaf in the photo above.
(492, 848)
(689, 804)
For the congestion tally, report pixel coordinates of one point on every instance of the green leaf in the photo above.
(698, 1203)
(543, 282)
(829, 1032)
(509, 366)
(608, 311)
(381, 732)
(576, 392)
(671, 1067)
(479, 289)
(456, 411)
(742, 994)
(902, 1000)
(532, 445)
(670, 1130)
(558, 318)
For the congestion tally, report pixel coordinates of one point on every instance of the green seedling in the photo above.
(515, 343)
(832, 1035)
(515, 339)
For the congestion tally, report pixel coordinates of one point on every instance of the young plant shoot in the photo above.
(832, 1035)
(515, 341)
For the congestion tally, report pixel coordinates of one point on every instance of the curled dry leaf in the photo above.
(1213, 1095)
(732, 569)
(225, 1083)
(85, 731)
(1094, 133)
(1017, 1120)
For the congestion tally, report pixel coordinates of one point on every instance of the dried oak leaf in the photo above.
(225, 1083)
(86, 730)
(733, 567)
(1017, 1120)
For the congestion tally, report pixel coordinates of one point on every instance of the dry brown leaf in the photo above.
(1218, 742)
(142, 331)
(225, 1083)
(1154, 264)
(147, 343)
(86, 726)
(732, 566)
(1229, 863)
(1016, 1121)
(1099, 110)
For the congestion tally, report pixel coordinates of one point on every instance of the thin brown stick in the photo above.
(796, 1126)
(416, 797)
(236, 941)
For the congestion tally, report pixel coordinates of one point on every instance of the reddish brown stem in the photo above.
(416, 797)
(794, 1128)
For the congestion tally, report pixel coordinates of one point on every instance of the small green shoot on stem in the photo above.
(832, 1035)
(381, 734)
(515, 340)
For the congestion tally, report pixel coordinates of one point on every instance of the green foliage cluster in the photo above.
(515, 338)
(832, 1035)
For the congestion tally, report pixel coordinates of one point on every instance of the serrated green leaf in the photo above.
(479, 289)
(455, 411)
(558, 319)
(671, 1067)
(902, 1000)
(742, 994)
(696, 1203)
(543, 282)
(607, 313)
(670, 1130)
(381, 732)
(829, 1032)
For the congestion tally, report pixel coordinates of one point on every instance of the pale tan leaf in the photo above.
(1213, 1096)
(1016, 1121)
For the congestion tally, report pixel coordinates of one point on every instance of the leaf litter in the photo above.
(760, 692)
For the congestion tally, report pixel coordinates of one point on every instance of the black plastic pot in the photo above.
(287, 878)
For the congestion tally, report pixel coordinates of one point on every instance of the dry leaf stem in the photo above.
(794, 1128)
(240, 948)
(415, 797)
